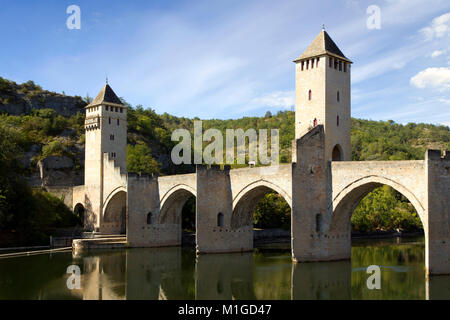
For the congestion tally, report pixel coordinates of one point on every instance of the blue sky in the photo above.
(228, 59)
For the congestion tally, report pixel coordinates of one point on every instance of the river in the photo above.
(266, 273)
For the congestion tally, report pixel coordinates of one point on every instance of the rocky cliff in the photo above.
(18, 99)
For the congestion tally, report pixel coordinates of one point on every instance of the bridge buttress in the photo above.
(310, 197)
(437, 239)
(143, 214)
(214, 198)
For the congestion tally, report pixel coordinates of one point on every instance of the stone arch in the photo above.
(81, 212)
(172, 203)
(175, 189)
(262, 183)
(345, 202)
(246, 200)
(114, 212)
(337, 153)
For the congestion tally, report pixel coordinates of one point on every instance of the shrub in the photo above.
(54, 148)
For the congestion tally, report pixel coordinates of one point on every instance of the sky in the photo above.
(229, 59)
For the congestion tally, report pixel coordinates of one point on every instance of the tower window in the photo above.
(113, 154)
(220, 220)
(111, 137)
(149, 218)
(312, 63)
(303, 65)
(340, 65)
(309, 95)
(109, 120)
(307, 64)
(335, 64)
(118, 122)
(345, 67)
(330, 62)
(318, 222)
(121, 110)
(317, 62)
(338, 97)
(106, 108)
(337, 121)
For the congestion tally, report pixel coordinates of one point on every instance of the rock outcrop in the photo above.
(18, 99)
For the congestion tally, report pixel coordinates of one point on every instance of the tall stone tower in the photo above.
(106, 133)
(322, 88)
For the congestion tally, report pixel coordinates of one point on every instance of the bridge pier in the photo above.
(310, 198)
(437, 233)
(144, 228)
(214, 211)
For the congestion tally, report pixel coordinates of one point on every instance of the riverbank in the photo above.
(262, 237)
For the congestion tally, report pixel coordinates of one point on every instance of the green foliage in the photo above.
(140, 160)
(54, 148)
(272, 212)
(385, 209)
(26, 213)
(387, 140)
(51, 212)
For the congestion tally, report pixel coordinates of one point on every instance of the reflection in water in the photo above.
(321, 280)
(176, 273)
(224, 276)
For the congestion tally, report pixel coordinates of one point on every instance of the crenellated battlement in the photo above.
(142, 176)
(110, 163)
(213, 167)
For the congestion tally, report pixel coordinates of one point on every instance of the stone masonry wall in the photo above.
(438, 206)
(214, 197)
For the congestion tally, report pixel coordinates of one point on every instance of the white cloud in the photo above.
(394, 61)
(438, 28)
(438, 78)
(437, 53)
(444, 100)
(280, 99)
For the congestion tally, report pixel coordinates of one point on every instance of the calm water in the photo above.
(176, 273)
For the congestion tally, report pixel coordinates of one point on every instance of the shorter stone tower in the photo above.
(322, 86)
(106, 134)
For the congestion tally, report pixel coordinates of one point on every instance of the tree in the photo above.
(140, 160)
(272, 212)
(87, 99)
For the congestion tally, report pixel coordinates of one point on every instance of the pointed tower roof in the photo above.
(322, 44)
(106, 96)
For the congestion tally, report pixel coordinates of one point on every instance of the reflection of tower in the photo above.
(322, 86)
(106, 132)
(103, 276)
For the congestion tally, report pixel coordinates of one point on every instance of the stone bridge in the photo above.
(321, 194)
(321, 189)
